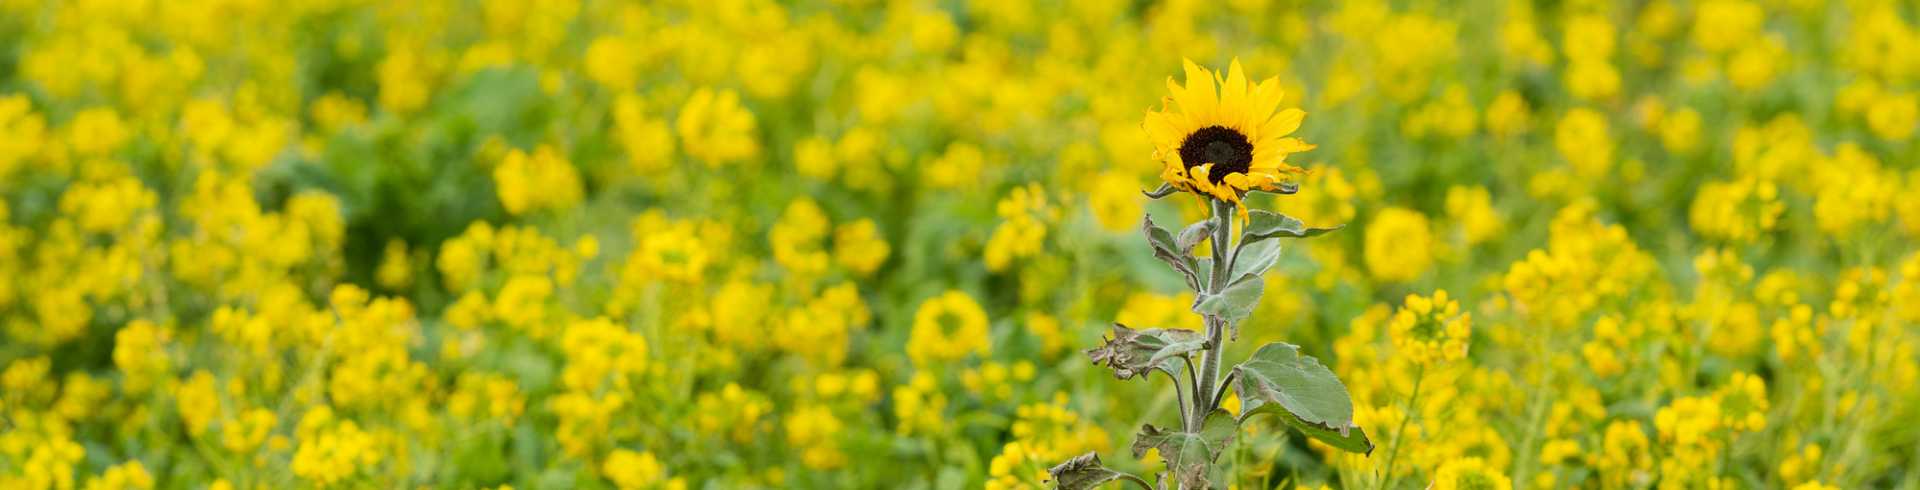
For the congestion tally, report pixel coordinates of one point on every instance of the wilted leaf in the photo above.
(1165, 249)
(1133, 352)
(1302, 391)
(1082, 472)
(1263, 224)
(1189, 454)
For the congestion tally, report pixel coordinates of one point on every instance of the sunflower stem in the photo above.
(1216, 325)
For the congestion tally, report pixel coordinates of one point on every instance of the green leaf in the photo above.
(1277, 379)
(1164, 191)
(1082, 472)
(1189, 455)
(1134, 352)
(1192, 236)
(1253, 260)
(1167, 250)
(1263, 224)
(1234, 304)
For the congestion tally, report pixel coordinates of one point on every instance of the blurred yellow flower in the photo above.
(948, 327)
(716, 129)
(542, 181)
(1399, 245)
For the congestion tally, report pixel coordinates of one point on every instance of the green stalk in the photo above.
(1400, 434)
(1216, 326)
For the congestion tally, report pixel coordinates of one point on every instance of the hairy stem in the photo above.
(1216, 326)
(1180, 393)
(1220, 392)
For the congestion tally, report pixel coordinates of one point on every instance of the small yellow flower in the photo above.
(1431, 330)
(948, 327)
(543, 180)
(630, 470)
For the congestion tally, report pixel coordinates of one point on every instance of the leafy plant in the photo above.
(1277, 379)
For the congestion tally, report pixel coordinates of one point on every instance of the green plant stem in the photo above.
(1216, 326)
(1220, 392)
(1142, 482)
(1179, 393)
(1400, 434)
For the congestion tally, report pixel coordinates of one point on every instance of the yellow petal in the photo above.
(1233, 99)
(1166, 130)
(1200, 102)
(1291, 145)
(1261, 103)
(1283, 123)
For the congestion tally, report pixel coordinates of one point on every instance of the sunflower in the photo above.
(1225, 137)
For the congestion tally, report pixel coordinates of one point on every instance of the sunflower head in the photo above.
(1222, 137)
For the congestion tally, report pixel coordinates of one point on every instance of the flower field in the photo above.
(720, 244)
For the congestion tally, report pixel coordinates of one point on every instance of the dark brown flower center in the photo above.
(1228, 151)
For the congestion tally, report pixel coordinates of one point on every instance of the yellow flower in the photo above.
(198, 402)
(814, 430)
(648, 140)
(1723, 25)
(130, 475)
(1583, 141)
(631, 470)
(614, 62)
(958, 167)
(543, 180)
(1115, 201)
(1024, 232)
(1739, 211)
(716, 129)
(1472, 208)
(97, 132)
(1743, 403)
(1625, 456)
(1399, 245)
(1508, 114)
(22, 132)
(1469, 474)
(1431, 330)
(1224, 138)
(396, 268)
(1894, 117)
(859, 247)
(798, 238)
(331, 451)
(947, 328)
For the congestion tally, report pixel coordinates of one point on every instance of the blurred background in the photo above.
(861, 243)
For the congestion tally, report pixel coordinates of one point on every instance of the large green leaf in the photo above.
(1279, 380)
(1189, 455)
(1263, 224)
(1082, 472)
(1133, 352)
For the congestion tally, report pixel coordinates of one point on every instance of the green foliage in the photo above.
(1277, 379)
